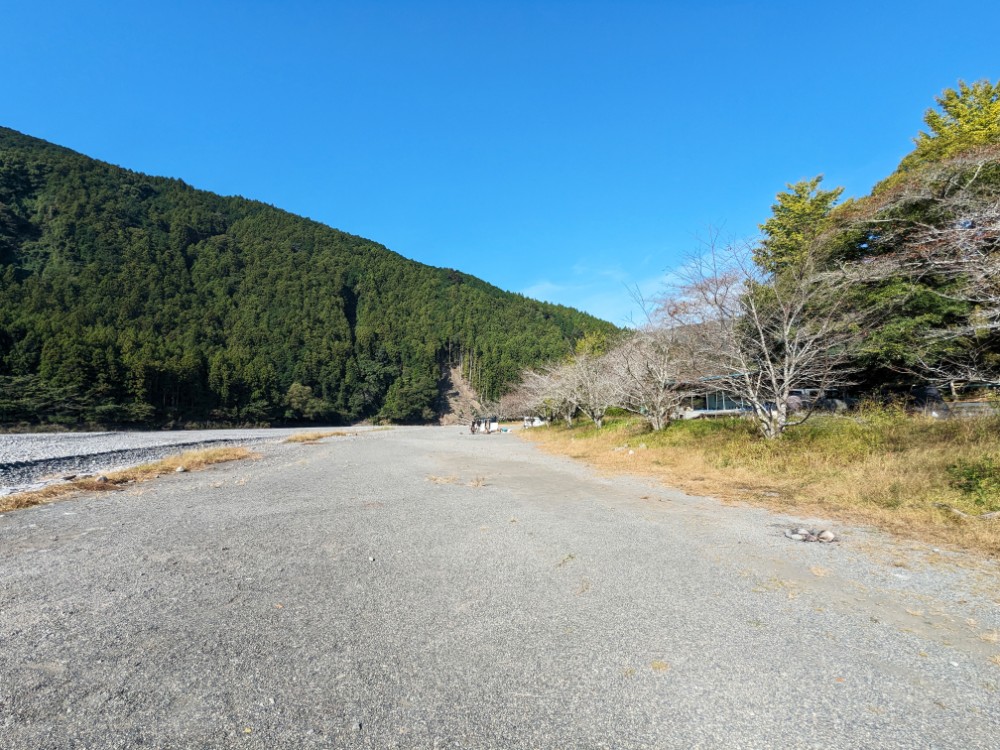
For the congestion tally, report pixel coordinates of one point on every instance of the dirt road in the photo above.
(422, 588)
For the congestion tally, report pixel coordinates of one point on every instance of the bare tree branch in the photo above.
(762, 337)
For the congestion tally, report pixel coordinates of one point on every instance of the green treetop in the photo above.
(966, 118)
(797, 219)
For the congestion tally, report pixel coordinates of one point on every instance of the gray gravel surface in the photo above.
(422, 588)
(32, 460)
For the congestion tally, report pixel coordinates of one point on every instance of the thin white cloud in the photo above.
(544, 290)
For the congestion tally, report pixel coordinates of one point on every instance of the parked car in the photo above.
(926, 399)
(820, 399)
(836, 401)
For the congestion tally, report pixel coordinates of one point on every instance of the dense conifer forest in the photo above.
(130, 299)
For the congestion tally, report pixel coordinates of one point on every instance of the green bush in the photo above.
(978, 480)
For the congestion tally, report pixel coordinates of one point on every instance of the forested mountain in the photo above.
(134, 299)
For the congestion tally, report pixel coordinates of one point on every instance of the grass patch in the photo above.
(116, 481)
(879, 467)
(451, 479)
(310, 438)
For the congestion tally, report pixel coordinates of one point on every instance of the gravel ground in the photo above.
(425, 588)
(30, 461)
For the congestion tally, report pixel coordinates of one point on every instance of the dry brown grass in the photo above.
(311, 438)
(190, 461)
(442, 480)
(880, 468)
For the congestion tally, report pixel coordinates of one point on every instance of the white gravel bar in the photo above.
(32, 460)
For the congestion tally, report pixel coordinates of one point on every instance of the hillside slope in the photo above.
(130, 298)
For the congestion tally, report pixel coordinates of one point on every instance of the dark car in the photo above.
(926, 399)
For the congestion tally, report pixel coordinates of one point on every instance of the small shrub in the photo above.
(978, 480)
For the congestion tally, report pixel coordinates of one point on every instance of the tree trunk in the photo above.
(772, 422)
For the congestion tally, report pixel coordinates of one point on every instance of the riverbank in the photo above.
(31, 461)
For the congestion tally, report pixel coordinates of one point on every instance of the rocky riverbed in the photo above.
(31, 461)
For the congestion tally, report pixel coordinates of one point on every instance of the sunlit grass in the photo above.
(880, 467)
(315, 437)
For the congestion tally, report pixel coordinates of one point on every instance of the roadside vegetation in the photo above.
(891, 300)
(879, 466)
(119, 480)
(896, 292)
(314, 437)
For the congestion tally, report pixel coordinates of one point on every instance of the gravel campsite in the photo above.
(424, 587)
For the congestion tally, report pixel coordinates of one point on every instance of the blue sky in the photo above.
(564, 149)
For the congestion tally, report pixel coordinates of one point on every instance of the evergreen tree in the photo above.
(967, 117)
(798, 217)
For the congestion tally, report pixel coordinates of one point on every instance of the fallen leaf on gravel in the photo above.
(996, 659)
(819, 572)
(659, 666)
(279, 605)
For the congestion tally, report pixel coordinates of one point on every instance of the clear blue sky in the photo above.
(563, 149)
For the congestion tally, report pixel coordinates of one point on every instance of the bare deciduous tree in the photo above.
(761, 336)
(549, 392)
(655, 371)
(586, 383)
(591, 379)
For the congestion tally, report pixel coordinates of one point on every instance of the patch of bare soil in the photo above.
(459, 402)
